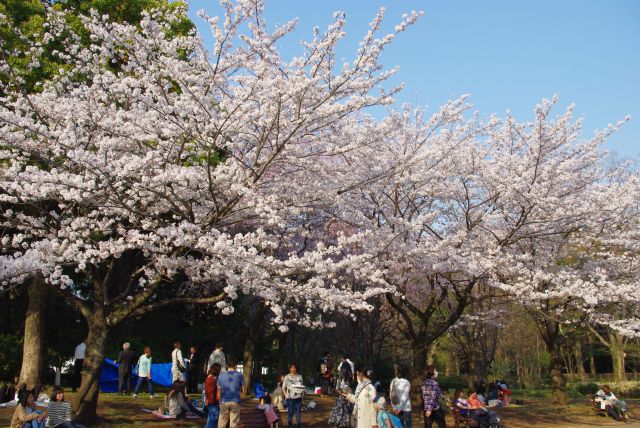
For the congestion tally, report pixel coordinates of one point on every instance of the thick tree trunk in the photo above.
(33, 347)
(616, 348)
(558, 381)
(256, 327)
(85, 402)
(420, 353)
(577, 351)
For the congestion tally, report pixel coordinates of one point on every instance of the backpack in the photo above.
(345, 371)
(395, 420)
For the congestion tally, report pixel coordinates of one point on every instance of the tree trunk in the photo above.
(433, 347)
(450, 364)
(85, 402)
(33, 346)
(577, 351)
(256, 327)
(616, 348)
(282, 354)
(558, 381)
(420, 353)
(592, 356)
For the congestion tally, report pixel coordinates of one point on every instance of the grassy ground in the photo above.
(120, 411)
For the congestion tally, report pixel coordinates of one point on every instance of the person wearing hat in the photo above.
(382, 417)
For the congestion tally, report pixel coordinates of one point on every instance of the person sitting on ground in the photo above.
(27, 414)
(382, 417)
(7, 393)
(177, 403)
(617, 409)
(59, 411)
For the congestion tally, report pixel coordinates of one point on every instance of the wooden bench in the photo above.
(599, 411)
(462, 420)
(253, 418)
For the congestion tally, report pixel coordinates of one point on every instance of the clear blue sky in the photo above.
(507, 54)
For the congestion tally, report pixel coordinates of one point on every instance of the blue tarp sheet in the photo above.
(160, 374)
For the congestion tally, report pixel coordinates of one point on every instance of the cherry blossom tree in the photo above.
(456, 203)
(564, 274)
(153, 172)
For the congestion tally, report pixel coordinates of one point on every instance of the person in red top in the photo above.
(211, 395)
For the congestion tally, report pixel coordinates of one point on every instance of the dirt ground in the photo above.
(119, 411)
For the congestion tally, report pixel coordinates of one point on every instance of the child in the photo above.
(382, 418)
(269, 412)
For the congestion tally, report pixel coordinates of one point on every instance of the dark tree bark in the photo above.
(553, 338)
(577, 350)
(34, 334)
(115, 297)
(423, 324)
(256, 326)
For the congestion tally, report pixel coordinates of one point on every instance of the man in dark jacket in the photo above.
(195, 367)
(126, 359)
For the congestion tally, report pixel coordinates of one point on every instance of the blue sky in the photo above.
(507, 54)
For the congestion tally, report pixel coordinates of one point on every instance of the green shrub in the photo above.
(10, 357)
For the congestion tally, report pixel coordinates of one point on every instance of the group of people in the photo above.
(29, 414)
(195, 367)
(615, 408)
(222, 383)
(365, 407)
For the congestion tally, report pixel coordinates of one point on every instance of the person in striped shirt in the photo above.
(59, 411)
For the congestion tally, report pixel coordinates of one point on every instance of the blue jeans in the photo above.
(294, 407)
(213, 410)
(405, 418)
(35, 423)
(149, 384)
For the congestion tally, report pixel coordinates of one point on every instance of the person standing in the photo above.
(326, 374)
(400, 395)
(125, 361)
(217, 357)
(431, 393)
(78, 364)
(195, 368)
(211, 395)
(230, 385)
(363, 398)
(177, 363)
(293, 390)
(144, 372)
(345, 372)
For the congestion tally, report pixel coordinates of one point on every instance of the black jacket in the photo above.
(126, 359)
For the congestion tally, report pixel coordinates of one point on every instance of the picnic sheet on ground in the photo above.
(160, 374)
(156, 414)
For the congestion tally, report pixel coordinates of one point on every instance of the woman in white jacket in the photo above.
(363, 398)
